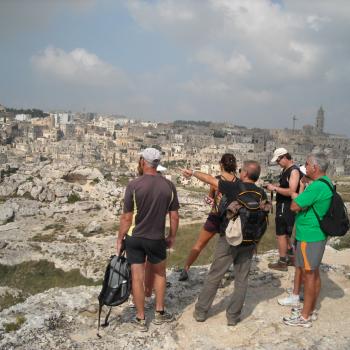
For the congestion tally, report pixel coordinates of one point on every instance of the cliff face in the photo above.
(67, 318)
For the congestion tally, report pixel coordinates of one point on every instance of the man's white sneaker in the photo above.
(297, 321)
(296, 311)
(290, 300)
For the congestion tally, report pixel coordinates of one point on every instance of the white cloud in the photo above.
(236, 64)
(253, 57)
(77, 67)
(242, 36)
(316, 22)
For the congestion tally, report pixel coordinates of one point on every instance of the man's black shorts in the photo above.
(137, 249)
(284, 219)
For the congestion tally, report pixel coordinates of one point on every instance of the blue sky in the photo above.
(250, 62)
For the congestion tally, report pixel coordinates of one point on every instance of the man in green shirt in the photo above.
(311, 239)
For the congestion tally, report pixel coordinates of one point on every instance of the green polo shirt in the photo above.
(318, 195)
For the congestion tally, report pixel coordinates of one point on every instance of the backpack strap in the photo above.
(328, 184)
(99, 319)
(105, 324)
(332, 189)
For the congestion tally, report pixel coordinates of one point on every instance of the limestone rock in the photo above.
(55, 170)
(86, 206)
(6, 214)
(25, 188)
(8, 189)
(24, 207)
(36, 190)
(93, 227)
(3, 244)
(10, 184)
(86, 173)
(62, 190)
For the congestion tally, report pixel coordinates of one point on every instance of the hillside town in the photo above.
(112, 143)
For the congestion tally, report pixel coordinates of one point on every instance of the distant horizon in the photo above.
(117, 115)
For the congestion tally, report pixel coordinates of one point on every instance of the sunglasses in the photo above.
(279, 159)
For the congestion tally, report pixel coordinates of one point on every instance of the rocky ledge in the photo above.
(67, 318)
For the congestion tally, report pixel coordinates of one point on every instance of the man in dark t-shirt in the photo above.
(241, 255)
(147, 201)
(288, 184)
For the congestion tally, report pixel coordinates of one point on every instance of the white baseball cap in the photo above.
(278, 153)
(161, 168)
(151, 155)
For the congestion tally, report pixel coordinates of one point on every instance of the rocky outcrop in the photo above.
(60, 188)
(93, 227)
(87, 173)
(6, 214)
(67, 318)
(24, 207)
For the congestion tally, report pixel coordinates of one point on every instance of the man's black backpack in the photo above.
(253, 211)
(336, 220)
(116, 286)
(253, 215)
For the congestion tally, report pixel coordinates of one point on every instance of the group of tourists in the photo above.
(150, 198)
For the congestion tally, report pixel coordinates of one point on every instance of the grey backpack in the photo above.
(116, 286)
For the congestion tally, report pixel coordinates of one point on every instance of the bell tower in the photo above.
(320, 121)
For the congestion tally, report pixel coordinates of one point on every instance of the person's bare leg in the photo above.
(138, 292)
(282, 242)
(317, 288)
(203, 239)
(309, 293)
(149, 279)
(159, 271)
(298, 276)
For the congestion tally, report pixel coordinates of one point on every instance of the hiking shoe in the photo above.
(290, 261)
(297, 321)
(199, 316)
(296, 311)
(290, 300)
(161, 317)
(233, 323)
(183, 275)
(140, 324)
(279, 265)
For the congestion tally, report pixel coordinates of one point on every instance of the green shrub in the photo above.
(108, 176)
(123, 180)
(38, 276)
(43, 238)
(74, 197)
(15, 326)
(7, 300)
(56, 227)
